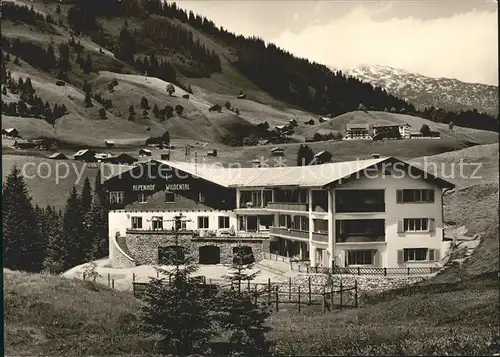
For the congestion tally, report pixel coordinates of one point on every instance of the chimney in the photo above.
(375, 156)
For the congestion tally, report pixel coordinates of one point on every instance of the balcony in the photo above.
(287, 206)
(320, 237)
(360, 208)
(289, 233)
(360, 239)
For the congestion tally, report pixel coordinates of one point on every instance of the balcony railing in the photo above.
(292, 233)
(360, 239)
(288, 206)
(320, 237)
(360, 208)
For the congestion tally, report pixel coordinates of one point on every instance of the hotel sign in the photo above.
(178, 187)
(143, 187)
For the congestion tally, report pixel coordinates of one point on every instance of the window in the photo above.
(201, 197)
(285, 221)
(116, 197)
(136, 222)
(360, 257)
(415, 254)
(416, 224)
(141, 197)
(223, 222)
(169, 197)
(203, 222)
(415, 196)
(157, 223)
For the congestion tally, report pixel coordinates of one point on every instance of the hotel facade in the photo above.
(380, 212)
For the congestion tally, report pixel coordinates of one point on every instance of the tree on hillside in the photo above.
(97, 220)
(144, 103)
(451, 125)
(166, 138)
(178, 312)
(75, 242)
(131, 110)
(86, 196)
(179, 109)
(156, 111)
(102, 113)
(170, 89)
(228, 104)
(88, 100)
(56, 248)
(305, 155)
(239, 314)
(425, 130)
(22, 247)
(169, 111)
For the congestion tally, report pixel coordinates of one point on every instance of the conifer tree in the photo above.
(156, 111)
(74, 232)
(305, 155)
(56, 248)
(239, 314)
(178, 311)
(22, 249)
(86, 196)
(98, 227)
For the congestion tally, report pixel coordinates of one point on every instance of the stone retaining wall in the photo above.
(144, 246)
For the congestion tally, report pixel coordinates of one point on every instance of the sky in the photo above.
(439, 38)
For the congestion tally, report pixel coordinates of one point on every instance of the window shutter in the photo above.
(399, 196)
(431, 255)
(400, 256)
(343, 262)
(376, 258)
(400, 226)
(432, 227)
(431, 196)
(436, 255)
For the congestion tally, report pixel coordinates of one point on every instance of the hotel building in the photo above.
(379, 212)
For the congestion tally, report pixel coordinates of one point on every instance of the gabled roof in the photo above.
(322, 153)
(357, 126)
(81, 152)
(302, 176)
(56, 155)
(276, 149)
(109, 141)
(9, 130)
(145, 150)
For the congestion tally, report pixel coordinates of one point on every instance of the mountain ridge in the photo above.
(425, 91)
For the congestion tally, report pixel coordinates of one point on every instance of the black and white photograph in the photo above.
(250, 178)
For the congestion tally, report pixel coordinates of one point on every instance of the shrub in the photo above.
(179, 109)
(170, 89)
(228, 104)
(102, 113)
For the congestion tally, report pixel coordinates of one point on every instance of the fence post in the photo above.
(256, 293)
(355, 293)
(324, 300)
(83, 276)
(277, 298)
(239, 285)
(157, 274)
(290, 289)
(113, 284)
(299, 298)
(248, 285)
(109, 279)
(331, 296)
(316, 269)
(209, 290)
(309, 285)
(299, 268)
(359, 271)
(385, 271)
(408, 270)
(269, 291)
(341, 291)
(133, 276)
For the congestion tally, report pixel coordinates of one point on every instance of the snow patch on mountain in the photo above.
(423, 91)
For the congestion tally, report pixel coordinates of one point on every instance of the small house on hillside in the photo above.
(323, 119)
(399, 131)
(109, 143)
(263, 142)
(25, 144)
(10, 132)
(165, 156)
(256, 163)
(242, 95)
(121, 159)
(213, 153)
(310, 122)
(322, 157)
(58, 156)
(277, 151)
(215, 108)
(280, 128)
(144, 152)
(86, 155)
(292, 122)
(101, 156)
(309, 139)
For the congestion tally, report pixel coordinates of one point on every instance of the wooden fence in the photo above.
(373, 271)
(277, 294)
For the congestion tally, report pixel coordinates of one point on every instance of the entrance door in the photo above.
(209, 254)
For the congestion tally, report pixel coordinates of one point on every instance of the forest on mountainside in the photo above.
(297, 81)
